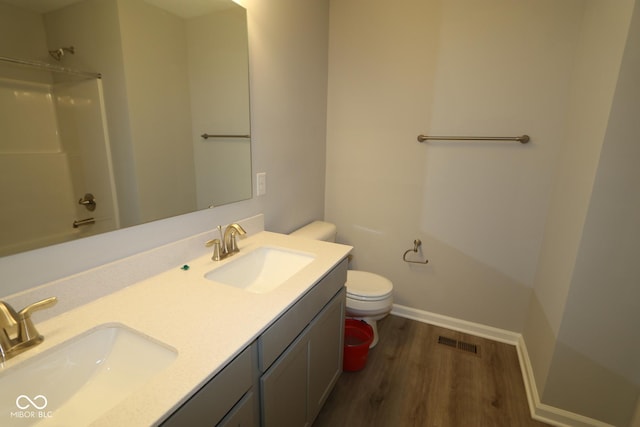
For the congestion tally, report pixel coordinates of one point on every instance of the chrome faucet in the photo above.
(18, 331)
(227, 244)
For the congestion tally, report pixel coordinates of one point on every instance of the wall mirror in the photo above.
(103, 108)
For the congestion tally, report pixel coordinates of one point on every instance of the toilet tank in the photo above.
(317, 230)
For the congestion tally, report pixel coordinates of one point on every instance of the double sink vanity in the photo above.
(253, 339)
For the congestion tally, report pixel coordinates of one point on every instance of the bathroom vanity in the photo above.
(283, 377)
(242, 354)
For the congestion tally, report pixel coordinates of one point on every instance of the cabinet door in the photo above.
(326, 337)
(296, 386)
(283, 388)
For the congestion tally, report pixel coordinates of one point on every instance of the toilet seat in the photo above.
(366, 286)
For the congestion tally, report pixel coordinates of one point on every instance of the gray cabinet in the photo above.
(325, 353)
(285, 376)
(227, 397)
(296, 384)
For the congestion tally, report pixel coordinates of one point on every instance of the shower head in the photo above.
(57, 54)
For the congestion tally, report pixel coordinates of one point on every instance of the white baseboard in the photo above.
(539, 411)
(543, 412)
(477, 329)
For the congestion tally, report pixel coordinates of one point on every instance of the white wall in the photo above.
(218, 82)
(32, 41)
(512, 232)
(594, 369)
(154, 50)
(599, 54)
(288, 60)
(496, 68)
(603, 34)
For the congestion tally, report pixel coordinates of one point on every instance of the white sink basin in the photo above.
(261, 270)
(77, 381)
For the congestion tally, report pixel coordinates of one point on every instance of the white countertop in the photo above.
(207, 323)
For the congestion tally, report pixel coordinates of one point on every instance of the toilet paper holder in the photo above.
(416, 246)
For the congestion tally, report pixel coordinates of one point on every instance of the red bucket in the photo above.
(358, 336)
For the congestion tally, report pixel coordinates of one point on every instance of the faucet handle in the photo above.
(8, 316)
(27, 332)
(233, 243)
(216, 249)
(25, 313)
(8, 328)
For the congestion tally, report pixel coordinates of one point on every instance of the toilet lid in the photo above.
(365, 285)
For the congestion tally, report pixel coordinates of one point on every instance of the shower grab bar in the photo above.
(50, 67)
(208, 135)
(521, 139)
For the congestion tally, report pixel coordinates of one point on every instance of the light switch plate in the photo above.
(261, 183)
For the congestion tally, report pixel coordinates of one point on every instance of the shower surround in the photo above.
(54, 148)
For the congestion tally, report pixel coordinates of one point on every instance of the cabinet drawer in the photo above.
(212, 402)
(244, 414)
(288, 326)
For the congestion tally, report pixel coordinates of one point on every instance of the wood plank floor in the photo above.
(412, 380)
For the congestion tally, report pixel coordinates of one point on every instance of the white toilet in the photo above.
(369, 296)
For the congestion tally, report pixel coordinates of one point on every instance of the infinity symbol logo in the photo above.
(20, 402)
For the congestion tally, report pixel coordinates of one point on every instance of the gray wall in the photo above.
(593, 368)
(512, 232)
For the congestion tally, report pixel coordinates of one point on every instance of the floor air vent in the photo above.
(447, 341)
(460, 345)
(465, 346)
